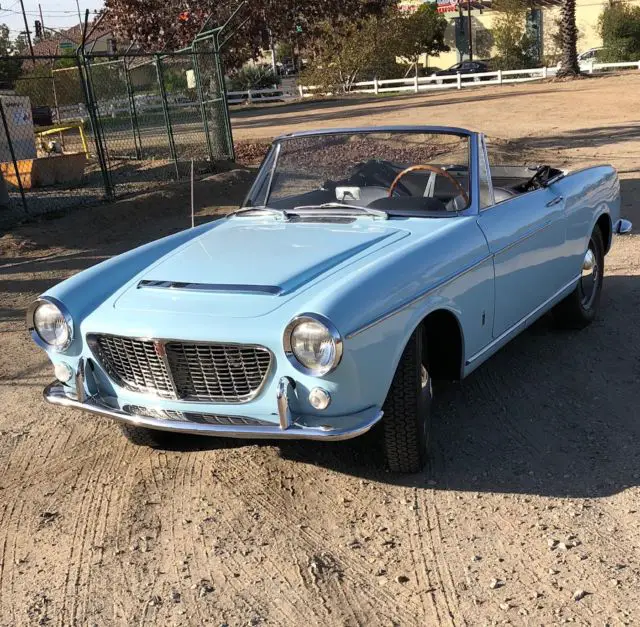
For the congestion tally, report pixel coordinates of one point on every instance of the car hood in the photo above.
(245, 267)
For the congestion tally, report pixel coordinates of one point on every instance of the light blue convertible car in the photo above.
(363, 264)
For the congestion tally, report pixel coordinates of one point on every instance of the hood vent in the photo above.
(272, 290)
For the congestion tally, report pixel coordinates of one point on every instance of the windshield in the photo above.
(388, 171)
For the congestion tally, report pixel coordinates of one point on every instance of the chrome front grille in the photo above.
(192, 371)
(227, 373)
(133, 363)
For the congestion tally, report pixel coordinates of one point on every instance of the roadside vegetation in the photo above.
(620, 30)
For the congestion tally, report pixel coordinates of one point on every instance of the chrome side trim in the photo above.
(526, 236)
(211, 287)
(522, 322)
(56, 394)
(416, 299)
(285, 386)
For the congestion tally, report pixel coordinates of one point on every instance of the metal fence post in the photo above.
(13, 157)
(544, 72)
(167, 116)
(223, 99)
(459, 81)
(203, 108)
(415, 83)
(375, 85)
(133, 114)
(94, 120)
(499, 77)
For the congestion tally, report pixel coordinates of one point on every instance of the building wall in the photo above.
(587, 14)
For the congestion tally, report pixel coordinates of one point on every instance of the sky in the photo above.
(58, 14)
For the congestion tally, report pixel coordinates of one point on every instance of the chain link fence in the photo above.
(77, 129)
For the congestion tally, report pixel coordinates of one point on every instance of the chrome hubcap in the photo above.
(589, 278)
(424, 377)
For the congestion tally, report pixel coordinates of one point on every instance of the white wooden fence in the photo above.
(459, 81)
(149, 103)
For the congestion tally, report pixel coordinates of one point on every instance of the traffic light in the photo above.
(38, 29)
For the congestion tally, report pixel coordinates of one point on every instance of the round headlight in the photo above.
(314, 343)
(51, 324)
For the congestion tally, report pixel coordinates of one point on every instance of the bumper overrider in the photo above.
(289, 427)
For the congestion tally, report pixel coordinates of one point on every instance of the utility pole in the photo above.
(79, 14)
(42, 21)
(469, 28)
(28, 32)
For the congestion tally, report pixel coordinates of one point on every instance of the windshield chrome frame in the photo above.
(473, 146)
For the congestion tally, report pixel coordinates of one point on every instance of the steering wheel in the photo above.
(436, 170)
(539, 179)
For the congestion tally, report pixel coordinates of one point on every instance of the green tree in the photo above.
(347, 50)
(167, 24)
(619, 26)
(513, 42)
(420, 33)
(10, 67)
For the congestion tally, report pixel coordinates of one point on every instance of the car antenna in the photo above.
(192, 208)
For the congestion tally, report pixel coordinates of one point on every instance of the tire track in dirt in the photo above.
(312, 541)
(107, 478)
(8, 558)
(234, 571)
(420, 563)
(440, 562)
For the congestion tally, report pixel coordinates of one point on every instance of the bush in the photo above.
(253, 77)
(360, 50)
(619, 26)
(514, 45)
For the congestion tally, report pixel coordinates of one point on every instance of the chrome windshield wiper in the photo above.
(377, 213)
(261, 208)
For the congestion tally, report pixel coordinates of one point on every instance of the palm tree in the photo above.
(569, 39)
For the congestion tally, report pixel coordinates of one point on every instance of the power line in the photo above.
(36, 13)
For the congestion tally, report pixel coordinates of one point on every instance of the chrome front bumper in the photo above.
(290, 426)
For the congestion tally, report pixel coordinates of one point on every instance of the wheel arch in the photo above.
(443, 344)
(604, 224)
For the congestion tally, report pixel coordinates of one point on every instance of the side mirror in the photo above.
(623, 227)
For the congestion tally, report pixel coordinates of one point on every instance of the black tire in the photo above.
(579, 309)
(141, 436)
(407, 418)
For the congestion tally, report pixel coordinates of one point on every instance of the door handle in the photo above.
(555, 201)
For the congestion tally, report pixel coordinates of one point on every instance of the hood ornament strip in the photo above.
(272, 290)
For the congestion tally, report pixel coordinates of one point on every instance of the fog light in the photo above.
(319, 398)
(63, 372)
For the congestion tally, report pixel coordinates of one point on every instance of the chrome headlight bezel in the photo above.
(35, 334)
(332, 332)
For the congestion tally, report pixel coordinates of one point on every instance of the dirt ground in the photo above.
(528, 514)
